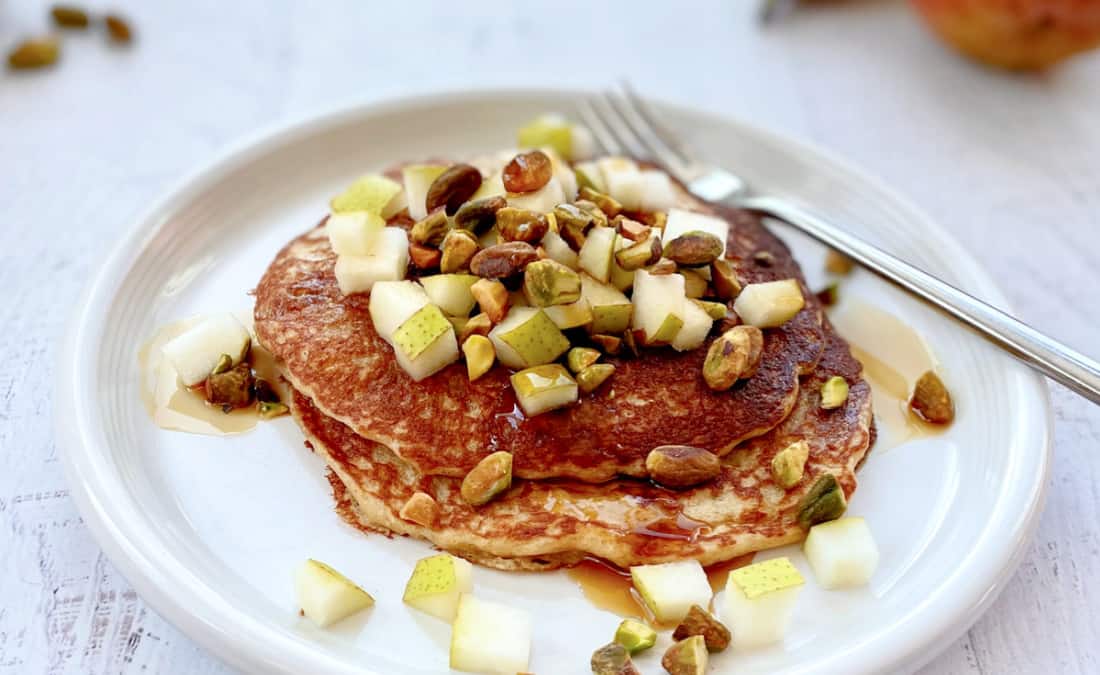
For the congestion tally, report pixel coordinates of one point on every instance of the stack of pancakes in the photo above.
(579, 487)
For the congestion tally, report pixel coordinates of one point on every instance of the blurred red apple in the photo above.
(1016, 34)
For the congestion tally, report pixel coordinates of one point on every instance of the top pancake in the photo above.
(445, 424)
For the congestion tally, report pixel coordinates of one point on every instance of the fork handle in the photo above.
(1048, 356)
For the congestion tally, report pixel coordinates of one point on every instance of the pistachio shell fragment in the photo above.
(694, 249)
(687, 657)
(459, 248)
(724, 279)
(579, 358)
(825, 501)
(838, 263)
(635, 635)
(34, 53)
(480, 355)
(421, 509)
(491, 476)
(605, 203)
(269, 410)
(492, 298)
(479, 215)
(681, 466)
(452, 187)
(593, 376)
(834, 393)
(548, 282)
(789, 464)
(931, 400)
(700, 622)
(503, 260)
(639, 255)
(431, 230)
(735, 355)
(612, 659)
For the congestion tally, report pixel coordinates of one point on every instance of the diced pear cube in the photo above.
(670, 589)
(390, 262)
(492, 186)
(842, 553)
(542, 200)
(425, 343)
(527, 337)
(573, 315)
(437, 583)
(598, 253)
(563, 173)
(697, 325)
(392, 303)
(659, 302)
(451, 292)
(658, 193)
(326, 596)
(487, 637)
(354, 232)
(558, 250)
(374, 194)
(621, 178)
(195, 352)
(769, 304)
(543, 388)
(418, 179)
(589, 175)
(759, 601)
(611, 310)
(681, 222)
(571, 141)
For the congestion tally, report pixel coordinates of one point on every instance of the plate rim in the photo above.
(209, 625)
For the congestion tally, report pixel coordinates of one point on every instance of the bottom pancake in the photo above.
(553, 523)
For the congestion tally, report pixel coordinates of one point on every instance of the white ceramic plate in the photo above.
(209, 529)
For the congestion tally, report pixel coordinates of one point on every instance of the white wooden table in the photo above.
(1011, 164)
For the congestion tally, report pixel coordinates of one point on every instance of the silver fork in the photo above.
(624, 124)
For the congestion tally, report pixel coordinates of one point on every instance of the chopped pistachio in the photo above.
(687, 657)
(631, 343)
(715, 310)
(789, 464)
(764, 258)
(838, 263)
(459, 247)
(825, 501)
(682, 466)
(834, 393)
(431, 230)
(452, 188)
(480, 355)
(608, 343)
(35, 53)
(694, 249)
(503, 260)
(425, 257)
(225, 362)
(593, 376)
(492, 298)
(639, 254)
(829, 295)
(700, 622)
(606, 203)
(263, 391)
(522, 225)
(548, 282)
(635, 635)
(69, 16)
(612, 659)
(491, 476)
(931, 400)
(599, 218)
(735, 355)
(421, 509)
(268, 410)
(572, 215)
(479, 215)
(695, 286)
(580, 358)
(231, 388)
(724, 279)
(630, 229)
(664, 266)
(478, 324)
